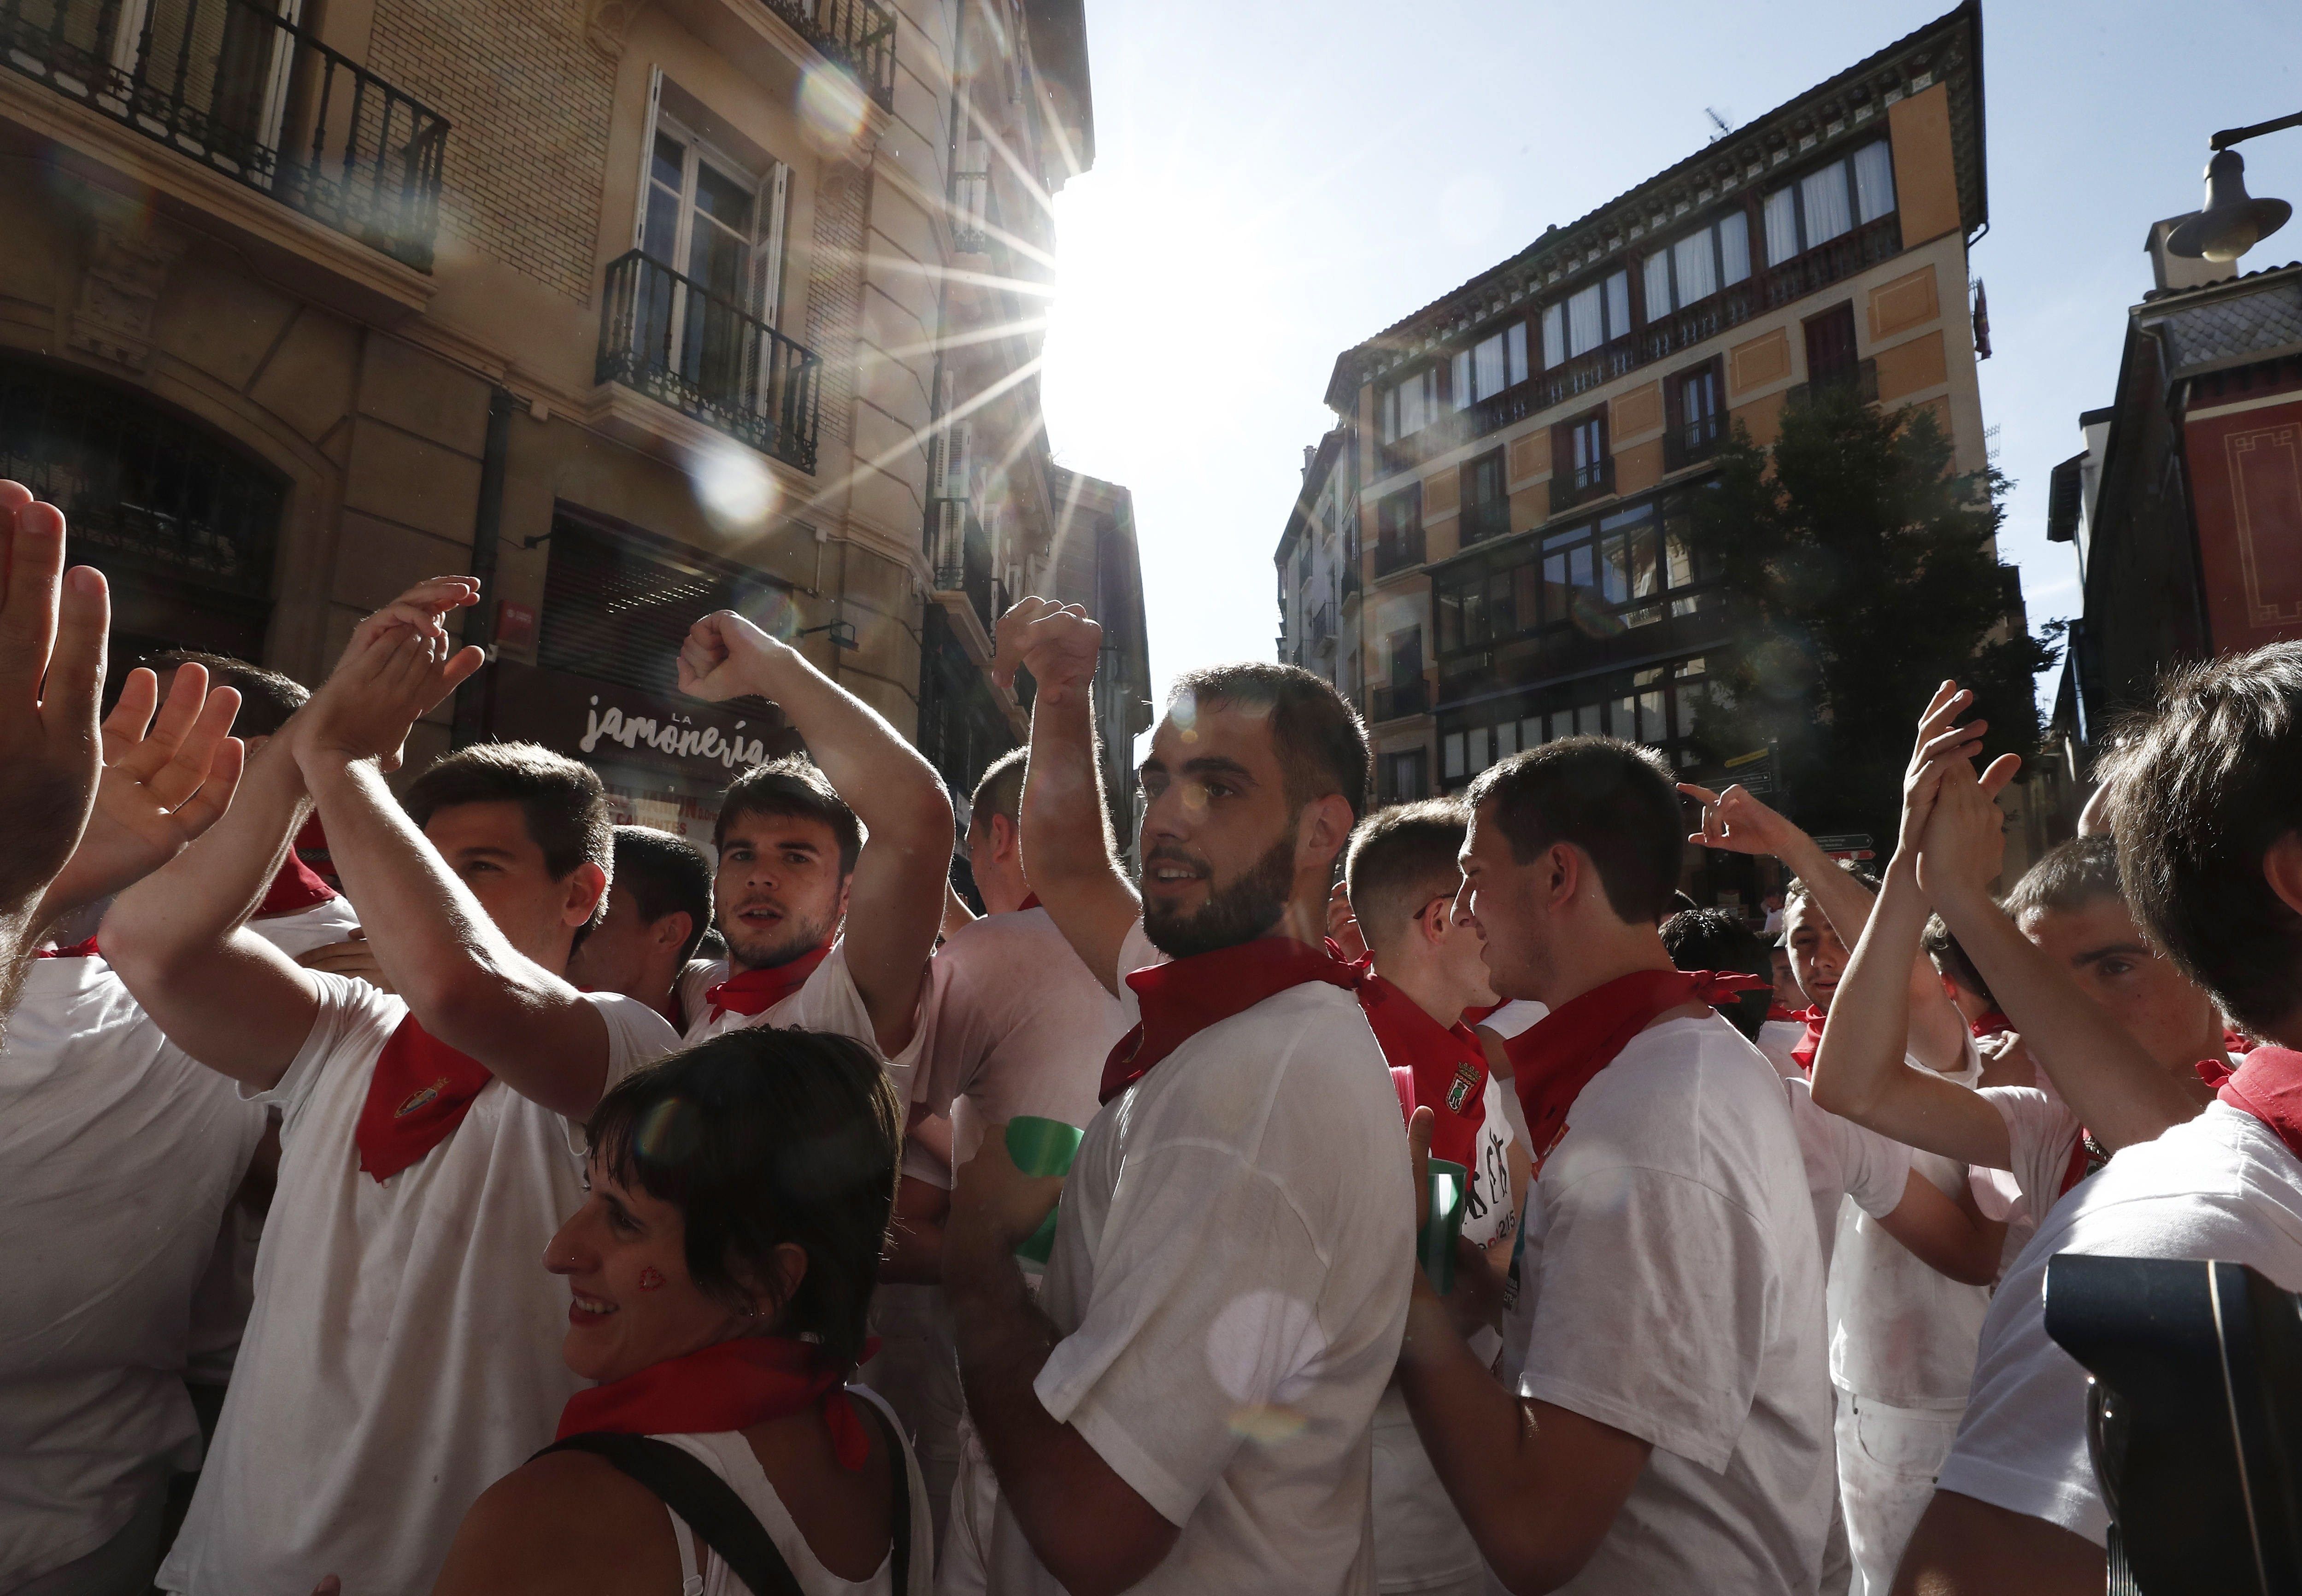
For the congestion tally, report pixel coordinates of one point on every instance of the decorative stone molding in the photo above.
(605, 23)
(127, 268)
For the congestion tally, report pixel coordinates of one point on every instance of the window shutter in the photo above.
(647, 156)
(768, 254)
(1562, 456)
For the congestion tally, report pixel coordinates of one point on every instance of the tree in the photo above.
(1861, 563)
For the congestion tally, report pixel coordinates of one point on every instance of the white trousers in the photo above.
(1888, 1460)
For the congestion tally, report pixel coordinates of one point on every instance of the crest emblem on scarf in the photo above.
(419, 1099)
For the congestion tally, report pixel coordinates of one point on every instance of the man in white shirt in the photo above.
(1902, 1332)
(659, 908)
(859, 838)
(402, 1353)
(1188, 1406)
(1663, 1421)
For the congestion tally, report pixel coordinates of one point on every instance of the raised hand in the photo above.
(423, 609)
(52, 630)
(1964, 845)
(723, 657)
(356, 957)
(1056, 642)
(1942, 746)
(390, 677)
(1737, 821)
(164, 782)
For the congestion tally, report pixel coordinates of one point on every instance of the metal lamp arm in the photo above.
(2230, 136)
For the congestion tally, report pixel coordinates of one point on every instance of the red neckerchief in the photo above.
(1184, 997)
(296, 887)
(1479, 1013)
(728, 1385)
(1803, 1053)
(2238, 1045)
(1993, 1024)
(1446, 1068)
(1776, 1011)
(1560, 1053)
(756, 991)
(78, 950)
(1030, 901)
(420, 1091)
(2267, 1084)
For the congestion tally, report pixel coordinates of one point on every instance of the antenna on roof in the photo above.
(1717, 120)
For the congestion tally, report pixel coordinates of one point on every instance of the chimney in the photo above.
(2171, 271)
(1310, 453)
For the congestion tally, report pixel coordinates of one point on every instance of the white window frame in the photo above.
(1785, 208)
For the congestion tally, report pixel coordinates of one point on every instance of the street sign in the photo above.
(1755, 772)
(1844, 842)
(1857, 854)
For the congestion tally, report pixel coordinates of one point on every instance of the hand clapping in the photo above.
(1056, 642)
(52, 631)
(400, 663)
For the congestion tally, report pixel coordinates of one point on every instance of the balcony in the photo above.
(248, 93)
(1485, 518)
(970, 212)
(860, 35)
(961, 555)
(1691, 441)
(1411, 697)
(671, 339)
(1322, 629)
(1794, 279)
(1861, 379)
(1581, 484)
(1400, 551)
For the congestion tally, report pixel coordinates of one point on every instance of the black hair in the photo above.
(561, 800)
(266, 697)
(1617, 802)
(1321, 742)
(1951, 960)
(999, 790)
(1714, 939)
(762, 1136)
(2200, 786)
(1400, 856)
(2068, 876)
(792, 787)
(665, 875)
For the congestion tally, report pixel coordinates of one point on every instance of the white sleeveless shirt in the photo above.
(730, 1457)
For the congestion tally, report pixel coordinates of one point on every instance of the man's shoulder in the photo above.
(1691, 1097)
(639, 1026)
(2222, 1185)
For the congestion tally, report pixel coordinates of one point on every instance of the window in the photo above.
(1496, 362)
(1830, 202)
(1580, 465)
(1691, 269)
(1403, 775)
(1659, 706)
(1486, 505)
(1585, 320)
(1697, 415)
(1830, 357)
(1399, 531)
(1409, 404)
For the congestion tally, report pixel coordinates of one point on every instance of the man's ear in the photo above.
(673, 929)
(1324, 828)
(2281, 867)
(587, 883)
(1559, 875)
(1006, 838)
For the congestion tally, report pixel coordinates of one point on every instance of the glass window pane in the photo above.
(1645, 578)
(1475, 749)
(1690, 706)
(670, 164)
(1530, 732)
(1658, 284)
(660, 233)
(1734, 248)
(726, 199)
(1619, 305)
(1782, 227)
(1682, 561)
(1614, 570)
(1488, 367)
(1450, 619)
(1651, 726)
(1874, 181)
(1474, 616)
(1586, 720)
(1698, 276)
(1452, 747)
(1515, 352)
(1390, 416)
(1585, 323)
(1578, 568)
(1554, 335)
(1626, 719)
(1464, 391)
(1506, 739)
(1554, 588)
(1823, 194)
(1526, 597)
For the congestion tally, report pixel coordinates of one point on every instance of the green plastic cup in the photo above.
(1450, 1189)
(1044, 1148)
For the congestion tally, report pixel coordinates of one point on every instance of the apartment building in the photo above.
(1318, 561)
(1522, 451)
(633, 310)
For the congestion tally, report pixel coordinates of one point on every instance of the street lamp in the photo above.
(2233, 222)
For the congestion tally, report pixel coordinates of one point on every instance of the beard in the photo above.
(794, 937)
(1237, 912)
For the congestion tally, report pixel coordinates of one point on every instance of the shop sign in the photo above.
(606, 721)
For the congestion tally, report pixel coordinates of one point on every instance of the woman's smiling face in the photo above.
(624, 1255)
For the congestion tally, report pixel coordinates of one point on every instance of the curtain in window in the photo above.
(1554, 335)
(1463, 392)
(1698, 273)
(1874, 181)
(1487, 375)
(1658, 285)
(1515, 351)
(1824, 196)
(1452, 746)
(1585, 322)
(1734, 248)
(1618, 304)
(1782, 227)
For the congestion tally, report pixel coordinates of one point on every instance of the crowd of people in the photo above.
(1423, 1200)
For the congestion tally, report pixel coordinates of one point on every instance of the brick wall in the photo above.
(835, 292)
(528, 105)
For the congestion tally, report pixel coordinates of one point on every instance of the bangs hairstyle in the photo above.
(561, 800)
(665, 875)
(266, 698)
(999, 791)
(1714, 939)
(1950, 959)
(2200, 786)
(1400, 859)
(793, 788)
(2068, 876)
(1616, 800)
(763, 1137)
(1320, 741)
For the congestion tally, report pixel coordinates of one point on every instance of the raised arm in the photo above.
(896, 900)
(52, 630)
(1738, 822)
(1858, 1070)
(1068, 851)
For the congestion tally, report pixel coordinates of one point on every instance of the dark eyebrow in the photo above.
(1151, 764)
(1211, 764)
(2113, 950)
(485, 851)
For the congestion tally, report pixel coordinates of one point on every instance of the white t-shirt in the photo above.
(2222, 1186)
(828, 1000)
(1668, 1283)
(1016, 1024)
(404, 1352)
(1843, 1160)
(298, 933)
(119, 1157)
(2041, 1132)
(1230, 1279)
(1777, 1038)
(1901, 1333)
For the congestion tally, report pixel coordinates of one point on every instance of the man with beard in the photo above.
(1188, 1405)
(793, 861)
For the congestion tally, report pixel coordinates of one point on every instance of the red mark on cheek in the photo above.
(651, 1279)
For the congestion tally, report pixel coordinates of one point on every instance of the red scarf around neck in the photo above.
(1803, 1051)
(78, 950)
(2267, 1084)
(1443, 1067)
(1992, 1024)
(294, 888)
(1560, 1053)
(1182, 997)
(420, 1091)
(730, 1385)
(756, 991)
(1030, 901)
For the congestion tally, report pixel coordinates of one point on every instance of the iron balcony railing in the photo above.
(1399, 551)
(707, 356)
(1485, 518)
(1794, 279)
(1401, 697)
(961, 558)
(1861, 379)
(1582, 484)
(860, 35)
(1692, 440)
(250, 94)
(970, 212)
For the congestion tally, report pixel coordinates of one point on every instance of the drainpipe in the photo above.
(487, 532)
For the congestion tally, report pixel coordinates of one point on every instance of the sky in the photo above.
(1275, 182)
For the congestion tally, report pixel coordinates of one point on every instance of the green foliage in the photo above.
(1863, 565)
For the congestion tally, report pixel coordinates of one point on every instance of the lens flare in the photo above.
(731, 486)
(830, 105)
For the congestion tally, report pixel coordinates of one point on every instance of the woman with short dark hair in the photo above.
(721, 1269)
